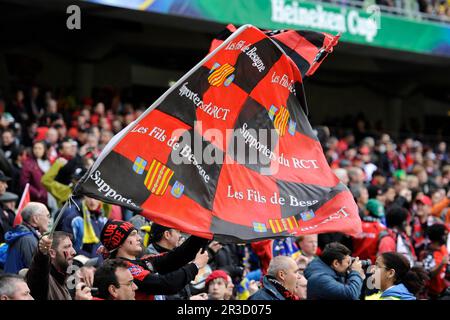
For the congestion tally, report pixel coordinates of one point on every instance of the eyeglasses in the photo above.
(128, 284)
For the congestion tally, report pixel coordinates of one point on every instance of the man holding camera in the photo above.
(334, 275)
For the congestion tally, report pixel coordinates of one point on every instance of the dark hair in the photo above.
(64, 140)
(106, 276)
(396, 216)
(436, 232)
(44, 157)
(333, 251)
(157, 232)
(413, 278)
(59, 236)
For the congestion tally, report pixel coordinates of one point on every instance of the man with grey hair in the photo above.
(341, 173)
(281, 280)
(14, 287)
(23, 239)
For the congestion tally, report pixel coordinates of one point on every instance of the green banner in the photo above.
(365, 27)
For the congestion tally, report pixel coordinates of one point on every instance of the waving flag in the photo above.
(228, 152)
(24, 200)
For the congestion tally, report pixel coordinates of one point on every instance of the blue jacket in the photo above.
(267, 292)
(22, 241)
(325, 284)
(72, 222)
(398, 291)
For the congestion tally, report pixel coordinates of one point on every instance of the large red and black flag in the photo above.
(228, 152)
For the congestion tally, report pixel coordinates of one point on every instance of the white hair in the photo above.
(8, 284)
(31, 209)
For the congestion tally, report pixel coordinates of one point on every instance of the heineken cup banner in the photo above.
(227, 152)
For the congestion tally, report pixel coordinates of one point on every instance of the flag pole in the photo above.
(61, 212)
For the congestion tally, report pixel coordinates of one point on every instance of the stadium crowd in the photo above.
(101, 251)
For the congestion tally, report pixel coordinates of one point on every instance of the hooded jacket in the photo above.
(325, 284)
(22, 241)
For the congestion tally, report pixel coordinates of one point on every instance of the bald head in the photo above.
(285, 270)
(37, 215)
(279, 263)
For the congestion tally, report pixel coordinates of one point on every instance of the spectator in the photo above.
(229, 294)
(342, 175)
(14, 287)
(441, 205)
(162, 239)
(216, 284)
(334, 276)
(6, 215)
(229, 258)
(435, 260)
(9, 145)
(301, 289)
(365, 244)
(114, 281)
(33, 170)
(308, 245)
(395, 279)
(280, 282)
(18, 157)
(162, 274)
(68, 150)
(23, 239)
(395, 238)
(47, 275)
(8, 200)
(85, 225)
(356, 176)
(421, 222)
(51, 139)
(361, 196)
(60, 191)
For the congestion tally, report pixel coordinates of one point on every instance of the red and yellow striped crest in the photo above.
(285, 224)
(218, 76)
(158, 178)
(281, 120)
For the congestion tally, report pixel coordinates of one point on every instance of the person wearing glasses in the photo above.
(114, 281)
(395, 279)
(23, 239)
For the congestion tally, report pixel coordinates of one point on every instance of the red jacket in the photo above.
(365, 244)
(32, 174)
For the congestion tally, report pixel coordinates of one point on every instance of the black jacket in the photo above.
(229, 259)
(167, 273)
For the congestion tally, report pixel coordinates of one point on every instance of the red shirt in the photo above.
(431, 259)
(365, 244)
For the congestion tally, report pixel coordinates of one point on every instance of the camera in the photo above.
(364, 263)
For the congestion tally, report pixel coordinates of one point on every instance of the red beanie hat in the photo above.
(216, 274)
(114, 233)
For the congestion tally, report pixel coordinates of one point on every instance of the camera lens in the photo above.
(365, 263)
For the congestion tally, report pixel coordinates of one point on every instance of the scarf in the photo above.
(281, 289)
(89, 236)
